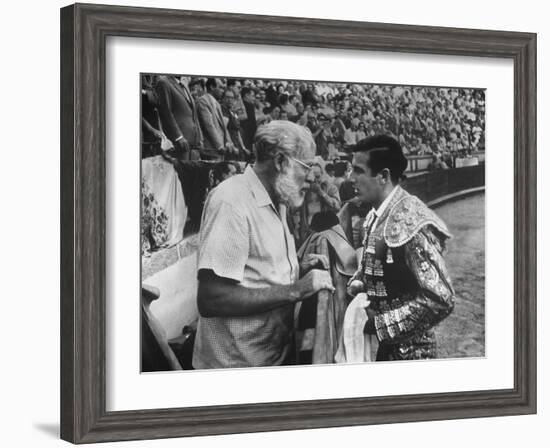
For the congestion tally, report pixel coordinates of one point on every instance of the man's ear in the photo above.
(385, 176)
(280, 162)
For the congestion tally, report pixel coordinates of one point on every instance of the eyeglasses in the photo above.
(305, 165)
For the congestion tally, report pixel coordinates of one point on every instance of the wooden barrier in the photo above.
(420, 163)
(432, 185)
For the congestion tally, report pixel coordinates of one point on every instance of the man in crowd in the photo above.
(287, 105)
(329, 170)
(437, 163)
(247, 264)
(151, 136)
(308, 94)
(402, 269)
(238, 107)
(179, 115)
(350, 136)
(197, 88)
(323, 136)
(217, 141)
(248, 125)
(312, 122)
(222, 171)
(233, 126)
(321, 196)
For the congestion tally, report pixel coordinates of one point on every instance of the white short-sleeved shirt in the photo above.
(244, 238)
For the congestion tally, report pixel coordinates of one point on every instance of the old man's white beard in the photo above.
(287, 191)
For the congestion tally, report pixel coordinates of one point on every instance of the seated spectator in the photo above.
(342, 172)
(286, 106)
(447, 157)
(329, 170)
(361, 134)
(275, 113)
(222, 171)
(350, 136)
(423, 148)
(437, 163)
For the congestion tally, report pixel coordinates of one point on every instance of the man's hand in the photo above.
(315, 187)
(157, 134)
(230, 148)
(313, 282)
(357, 275)
(314, 261)
(355, 287)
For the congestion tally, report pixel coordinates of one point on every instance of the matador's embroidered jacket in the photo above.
(406, 279)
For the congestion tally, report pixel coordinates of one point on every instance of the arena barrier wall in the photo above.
(437, 187)
(421, 163)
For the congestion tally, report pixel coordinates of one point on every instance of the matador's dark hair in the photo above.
(385, 152)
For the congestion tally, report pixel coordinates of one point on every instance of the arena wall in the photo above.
(437, 187)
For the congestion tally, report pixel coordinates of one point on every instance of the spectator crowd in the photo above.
(194, 120)
(216, 118)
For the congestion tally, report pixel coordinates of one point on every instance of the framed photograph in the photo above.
(275, 223)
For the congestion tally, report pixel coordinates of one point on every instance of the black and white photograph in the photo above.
(275, 224)
(297, 222)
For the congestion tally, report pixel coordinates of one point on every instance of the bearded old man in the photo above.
(247, 265)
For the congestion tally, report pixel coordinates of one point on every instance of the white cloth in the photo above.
(162, 181)
(355, 346)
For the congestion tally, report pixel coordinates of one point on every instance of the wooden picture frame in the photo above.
(84, 29)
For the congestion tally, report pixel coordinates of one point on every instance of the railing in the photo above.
(420, 163)
(432, 185)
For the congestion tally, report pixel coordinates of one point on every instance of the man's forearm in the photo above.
(145, 125)
(223, 299)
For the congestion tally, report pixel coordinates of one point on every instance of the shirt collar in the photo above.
(374, 214)
(258, 190)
